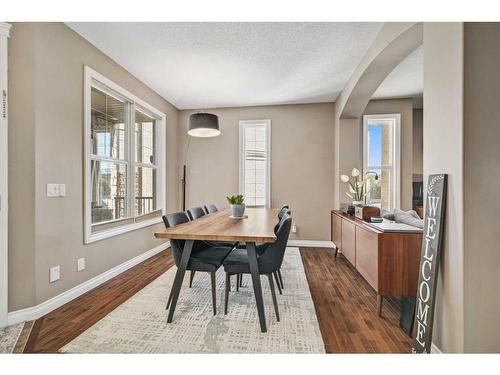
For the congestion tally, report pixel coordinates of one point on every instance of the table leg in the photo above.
(179, 277)
(257, 289)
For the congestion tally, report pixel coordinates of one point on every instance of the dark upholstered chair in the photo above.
(195, 213)
(283, 210)
(210, 208)
(204, 258)
(261, 247)
(269, 261)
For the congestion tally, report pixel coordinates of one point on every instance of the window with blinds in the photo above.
(124, 161)
(255, 154)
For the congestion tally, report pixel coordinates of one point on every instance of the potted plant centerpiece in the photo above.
(357, 186)
(237, 205)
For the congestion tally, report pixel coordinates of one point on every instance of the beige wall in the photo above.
(482, 186)
(443, 153)
(418, 143)
(351, 152)
(22, 103)
(351, 144)
(45, 146)
(302, 162)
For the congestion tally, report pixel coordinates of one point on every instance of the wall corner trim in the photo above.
(435, 349)
(35, 312)
(310, 243)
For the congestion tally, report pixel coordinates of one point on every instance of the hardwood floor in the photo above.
(345, 306)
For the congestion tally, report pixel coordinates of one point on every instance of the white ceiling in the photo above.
(206, 65)
(406, 80)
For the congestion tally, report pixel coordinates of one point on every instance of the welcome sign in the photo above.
(429, 263)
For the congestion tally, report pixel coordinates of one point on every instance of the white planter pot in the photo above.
(237, 210)
(358, 203)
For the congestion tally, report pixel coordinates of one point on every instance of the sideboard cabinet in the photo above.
(388, 261)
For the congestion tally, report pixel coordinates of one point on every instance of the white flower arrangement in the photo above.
(358, 186)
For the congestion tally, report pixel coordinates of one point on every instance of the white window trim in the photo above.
(396, 153)
(4, 175)
(91, 75)
(242, 125)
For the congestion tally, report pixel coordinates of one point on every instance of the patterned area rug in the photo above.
(9, 336)
(140, 324)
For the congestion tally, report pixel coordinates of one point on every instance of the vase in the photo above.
(237, 210)
(358, 203)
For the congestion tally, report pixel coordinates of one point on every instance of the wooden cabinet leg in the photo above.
(380, 299)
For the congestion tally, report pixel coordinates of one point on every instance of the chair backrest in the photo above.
(195, 213)
(283, 211)
(281, 215)
(272, 257)
(211, 208)
(171, 220)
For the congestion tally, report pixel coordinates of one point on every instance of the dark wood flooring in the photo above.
(346, 308)
(345, 305)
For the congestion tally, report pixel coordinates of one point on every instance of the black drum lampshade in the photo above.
(203, 125)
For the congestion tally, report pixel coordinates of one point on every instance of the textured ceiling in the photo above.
(406, 80)
(204, 65)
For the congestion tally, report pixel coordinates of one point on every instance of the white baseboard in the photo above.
(435, 349)
(35, 312)
(310, 243)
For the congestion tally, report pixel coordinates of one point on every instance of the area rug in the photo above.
(9, 336)
(139, 325)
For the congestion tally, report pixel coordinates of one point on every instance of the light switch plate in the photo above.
(52, 190)
(56, 190)
(294, 228)
(62, 190)
(55, 274)
(80, 264)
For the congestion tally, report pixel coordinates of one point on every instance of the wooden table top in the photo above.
(258, 227)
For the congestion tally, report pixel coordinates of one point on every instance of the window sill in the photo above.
(101, 235)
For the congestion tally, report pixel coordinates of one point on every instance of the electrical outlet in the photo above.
(80, 264)
(56, 190)
(55, 274)
(294, 227)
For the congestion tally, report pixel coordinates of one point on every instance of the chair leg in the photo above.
(169, 300)
(275, 274)
(281, 278)
(191, 277)
(241, 280)
(238, 275)
(273, 293)
(214, 298)
(226, 296)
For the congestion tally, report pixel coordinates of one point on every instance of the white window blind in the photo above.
(255, 162)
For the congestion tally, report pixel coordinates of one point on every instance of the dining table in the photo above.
(256, 226)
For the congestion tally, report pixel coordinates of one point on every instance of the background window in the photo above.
(255, 163)
(381, 155)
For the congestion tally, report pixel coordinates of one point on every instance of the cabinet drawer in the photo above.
(367, 256)
(337, 231)
(349, 241)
